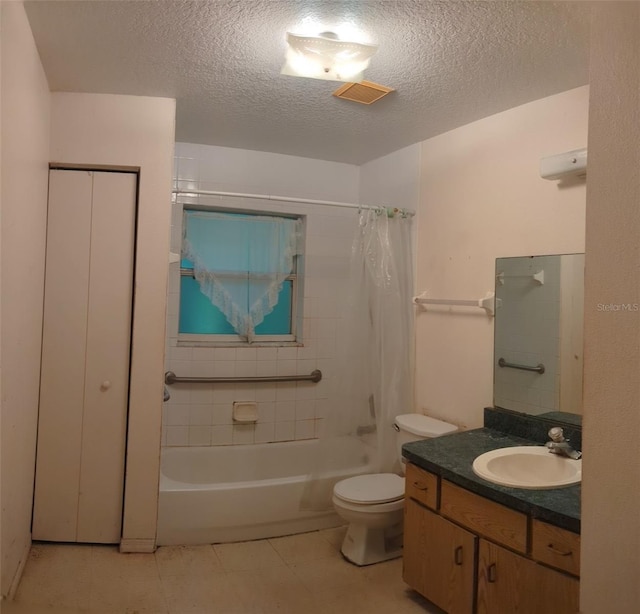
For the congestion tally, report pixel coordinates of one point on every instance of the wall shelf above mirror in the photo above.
(538, 348)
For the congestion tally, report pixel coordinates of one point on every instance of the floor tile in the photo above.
(186, 595)
(303, 547)
(299, 574)
(334, 536)
(244, 556)
(187, 561)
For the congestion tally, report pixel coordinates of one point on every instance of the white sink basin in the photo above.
(528, 467)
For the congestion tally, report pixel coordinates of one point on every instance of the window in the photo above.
(239, 277)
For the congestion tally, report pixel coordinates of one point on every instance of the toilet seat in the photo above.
(372, 489)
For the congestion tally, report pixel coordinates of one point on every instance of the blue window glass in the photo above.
(198, 316)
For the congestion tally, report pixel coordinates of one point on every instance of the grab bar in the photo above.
(171, 378)
(510, 365)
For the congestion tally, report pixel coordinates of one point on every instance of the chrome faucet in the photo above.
(560, 445)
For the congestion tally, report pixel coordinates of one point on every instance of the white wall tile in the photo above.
(181, 353)
(265, 392)
(179, 367)
(202, 394)
(267, 353)
(305, 410)
(222, 413)
(199, 435)
(224, 368)
(326, 348)
(177, 435)
(309, 351)
(266, 412)
(222, 435)
(305, 367)
(225, 354)
(177, 415)
(180, 395)
(323, 406)
(287, 353)
(329, 236)
(285, 431)
(286, 367)
(305, 429)
(285, 391)
(247, 368)
(326, 365)
(306, 390)
(201, 368)
(224, 393)
(265, 432)
(243, 433)
(266, 368)
(246, 354)
(202, 354)
(285, 411)
(200, 415)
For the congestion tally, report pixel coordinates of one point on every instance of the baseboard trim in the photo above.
(143, 544)
(13, 589)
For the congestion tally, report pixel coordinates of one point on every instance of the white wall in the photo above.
(482, 198)
(133, 131)
(201, 414)
(393, 180)
(25, 156)
(611, 483)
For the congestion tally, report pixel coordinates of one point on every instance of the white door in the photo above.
(85, 357)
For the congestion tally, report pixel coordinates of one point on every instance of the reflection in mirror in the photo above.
(538, 334)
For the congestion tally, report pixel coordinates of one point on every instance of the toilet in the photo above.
(373, 504)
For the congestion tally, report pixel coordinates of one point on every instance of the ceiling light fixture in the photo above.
(326, 57)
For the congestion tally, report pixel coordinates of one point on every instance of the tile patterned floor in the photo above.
(298, 574)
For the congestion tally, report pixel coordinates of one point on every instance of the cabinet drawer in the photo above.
(497, 522)
(421, 486)
(556, 547)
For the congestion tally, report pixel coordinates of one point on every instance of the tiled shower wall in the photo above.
(201, 414)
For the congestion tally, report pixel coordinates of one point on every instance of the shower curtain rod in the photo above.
(287, 199)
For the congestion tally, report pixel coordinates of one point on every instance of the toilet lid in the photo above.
(424, 426)
(375, 488)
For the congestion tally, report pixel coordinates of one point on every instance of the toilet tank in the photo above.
(412, 427)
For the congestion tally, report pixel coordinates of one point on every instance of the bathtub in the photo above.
(236, 493)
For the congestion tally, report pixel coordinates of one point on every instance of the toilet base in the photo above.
(365, 546)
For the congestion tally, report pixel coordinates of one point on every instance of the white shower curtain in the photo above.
(375, 367)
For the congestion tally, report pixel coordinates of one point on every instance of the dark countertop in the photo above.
(451, 457)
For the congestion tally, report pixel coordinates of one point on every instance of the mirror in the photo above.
(538, 351)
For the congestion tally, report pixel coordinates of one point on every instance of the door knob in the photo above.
(105, 385)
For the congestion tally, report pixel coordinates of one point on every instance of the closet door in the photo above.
(85, 357)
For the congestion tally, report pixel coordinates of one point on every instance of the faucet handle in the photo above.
(556, 434)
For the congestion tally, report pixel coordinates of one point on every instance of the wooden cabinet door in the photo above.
(508, 582)
(438, 559)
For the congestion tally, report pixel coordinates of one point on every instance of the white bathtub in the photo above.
(235, 493)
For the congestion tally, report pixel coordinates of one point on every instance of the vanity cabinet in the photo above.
(439, 559)
(470, 555)
(509, 582)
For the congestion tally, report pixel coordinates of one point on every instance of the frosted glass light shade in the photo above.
(326, 57)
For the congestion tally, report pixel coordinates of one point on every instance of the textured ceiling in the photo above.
(451, 63)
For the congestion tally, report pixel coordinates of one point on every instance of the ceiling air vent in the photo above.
(364, 92)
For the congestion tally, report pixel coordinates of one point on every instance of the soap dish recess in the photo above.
(245, 411)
